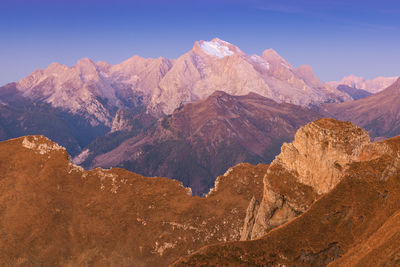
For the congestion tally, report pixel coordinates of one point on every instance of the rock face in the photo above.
(202, 140)
(320, 152)
(312, 165)
(373, 86)
(54, 213)
(353, 224)
(379, 114)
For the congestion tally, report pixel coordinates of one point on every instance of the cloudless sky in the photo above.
(335, 37)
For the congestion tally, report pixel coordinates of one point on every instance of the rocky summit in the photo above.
(312, 165)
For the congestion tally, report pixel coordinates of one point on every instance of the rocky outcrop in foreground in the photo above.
(312, 165)
(335, 197)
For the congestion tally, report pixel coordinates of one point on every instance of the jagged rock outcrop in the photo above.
(353, 224)
(312, 165)
(320, 152)
(54, 213)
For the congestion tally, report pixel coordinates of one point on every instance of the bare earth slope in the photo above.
(354, 223)
(55, 214)
(202, 140)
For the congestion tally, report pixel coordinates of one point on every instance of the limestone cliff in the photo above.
(312, 165)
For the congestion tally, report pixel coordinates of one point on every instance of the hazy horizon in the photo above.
(336, 38)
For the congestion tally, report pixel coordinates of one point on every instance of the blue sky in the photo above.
(336, 38)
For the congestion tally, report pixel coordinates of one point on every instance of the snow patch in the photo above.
(215, 48)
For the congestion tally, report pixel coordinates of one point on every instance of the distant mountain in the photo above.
(379, 114)
(96, 90)
(373, 86)
(91, 99)
(219, 65)
(200, 141)
(353, 92)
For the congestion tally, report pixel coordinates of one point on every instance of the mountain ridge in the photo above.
(55, 213)
(201, 140)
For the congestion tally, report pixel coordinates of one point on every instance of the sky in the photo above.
(336, 38)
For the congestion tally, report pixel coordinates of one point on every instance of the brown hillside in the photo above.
(55, 214)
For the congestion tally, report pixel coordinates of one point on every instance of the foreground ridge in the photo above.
(54, 213)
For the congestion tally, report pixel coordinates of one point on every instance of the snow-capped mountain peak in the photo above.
(159, 85)
(215, 48)
(219, 48)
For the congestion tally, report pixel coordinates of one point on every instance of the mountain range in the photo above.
(97, 90)
(189, 118)
(200, 141)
